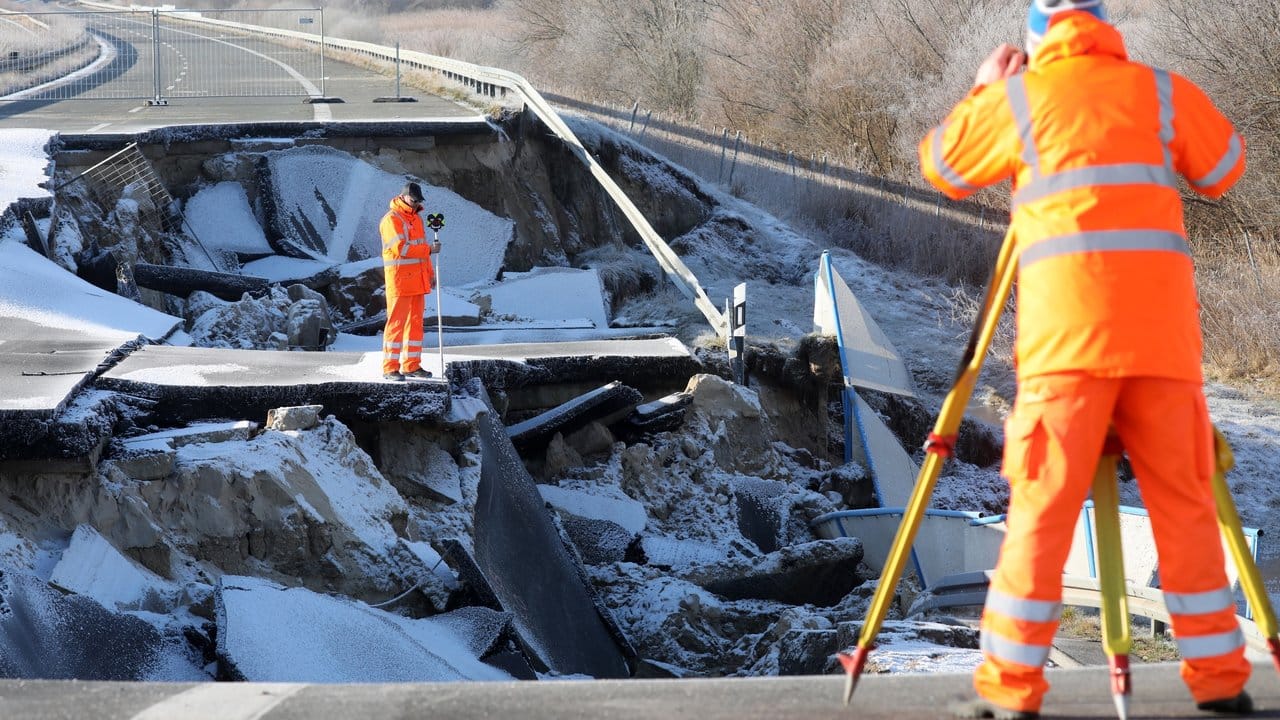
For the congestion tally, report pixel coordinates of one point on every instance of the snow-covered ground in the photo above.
(674, 493)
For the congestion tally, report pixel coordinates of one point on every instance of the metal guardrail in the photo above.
(970, 590)
(490, 82)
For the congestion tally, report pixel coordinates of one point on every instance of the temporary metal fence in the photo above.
(155, 55)
(128, 173)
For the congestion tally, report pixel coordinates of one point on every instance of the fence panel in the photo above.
(76, 55)
(157, 54)
(213, 58)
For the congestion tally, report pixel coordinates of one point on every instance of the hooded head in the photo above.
(1042, 12)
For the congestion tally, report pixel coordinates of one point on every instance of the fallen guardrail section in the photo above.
(950, 544)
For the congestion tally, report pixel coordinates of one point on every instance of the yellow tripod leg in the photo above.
(938, 448)
(1116, 638)
(1229, 524)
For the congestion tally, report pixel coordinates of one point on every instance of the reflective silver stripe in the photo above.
(1201, 603)
(1224, 166)
(1098, 175)
(413, 354)
(1023, 609)
(406, 261)
(1017, 91)
(1101, 241)
(393, 346)
(415, 344)
(1206, 646)
(945, 171)
(1006, 649)
(402, 235)
(1164, 95)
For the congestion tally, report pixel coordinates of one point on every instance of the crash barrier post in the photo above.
(737, 340)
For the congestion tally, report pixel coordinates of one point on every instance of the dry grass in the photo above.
(11, 82)
(1084, 624)
(27, 34)
(1239, 314)
(476, 36)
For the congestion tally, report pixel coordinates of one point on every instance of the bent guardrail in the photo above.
(970, 590)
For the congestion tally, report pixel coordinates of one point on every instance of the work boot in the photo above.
(419, 374)
(393, 376)
(982, 708)
(1241, 704)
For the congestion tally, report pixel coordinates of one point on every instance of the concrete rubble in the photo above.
(46, 634)
(818, 573)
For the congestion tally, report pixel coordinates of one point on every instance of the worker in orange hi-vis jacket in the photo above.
(1108, 332)
(406, 264)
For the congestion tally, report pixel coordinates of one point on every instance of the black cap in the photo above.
(412, 190)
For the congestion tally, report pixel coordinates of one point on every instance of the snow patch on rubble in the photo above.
(616, 508)
(275, 634)
(91, 566)
(38, 290)
(278, 268)
(355, 197)
(550, 294)
(220, 217)
(25, 164)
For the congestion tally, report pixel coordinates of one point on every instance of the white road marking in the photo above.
(221, 701)
(322, 112)
(137, 108)
(98, 127)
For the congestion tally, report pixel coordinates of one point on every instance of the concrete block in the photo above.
(153, 465)
(300, 417)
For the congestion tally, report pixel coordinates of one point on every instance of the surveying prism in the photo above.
(435, 221)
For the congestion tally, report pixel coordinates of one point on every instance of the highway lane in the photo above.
(200, 67)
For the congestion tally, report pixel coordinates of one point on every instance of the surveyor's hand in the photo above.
(435, 247)
(1005, 61)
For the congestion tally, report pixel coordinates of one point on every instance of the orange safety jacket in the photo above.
(406, 254)
(1092, 142)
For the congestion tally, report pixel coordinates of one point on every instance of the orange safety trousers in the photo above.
(1053, 440)
(403, 333)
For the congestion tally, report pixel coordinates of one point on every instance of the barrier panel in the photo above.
(156, 54)
(952, 544)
